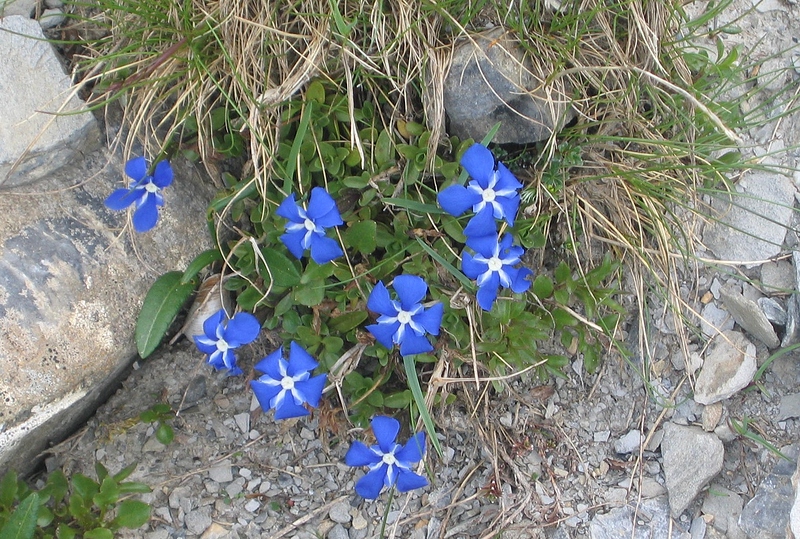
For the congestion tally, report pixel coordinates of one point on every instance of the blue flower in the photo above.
(222, 336)
(404, 322)
(287, 385)
(389, 462)
(493, 266)
(493, 187)
(306, 228)
(145, 192)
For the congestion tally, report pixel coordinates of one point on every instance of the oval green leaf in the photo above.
(206, 258)
(22, 523)
(163, 301)
(283, 271)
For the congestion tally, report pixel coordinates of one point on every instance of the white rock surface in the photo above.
(729, 366)
(39, 131)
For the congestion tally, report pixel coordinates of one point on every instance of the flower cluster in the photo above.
(493, 194)
(145, 192)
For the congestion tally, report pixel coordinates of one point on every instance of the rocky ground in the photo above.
(627, 452)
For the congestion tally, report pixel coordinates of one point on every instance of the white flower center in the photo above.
(287, 383)
(495, 264)
(389, 459)
(404, 317)
(222, 346)
(489, 195)
(309, 224)
(150, 187)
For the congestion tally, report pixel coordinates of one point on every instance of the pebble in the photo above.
(628, 443)
(340, 513)
(338, 532)
(221, 473)
(252, 505)
(359, 522)
(243, 422)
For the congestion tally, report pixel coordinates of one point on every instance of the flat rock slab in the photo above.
(729, 366)
(622, 522)
(691, 459)
(749, 315)
(71, 285)
(39, 131)
(492, 80)
(767, 514)
(752, 221)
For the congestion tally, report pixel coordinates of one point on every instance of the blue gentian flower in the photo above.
(493, 266)
(145, 192)
(287, 385)
(404, 322)
(306, 228)
(493, 187)
(389, 462)
(222, 336)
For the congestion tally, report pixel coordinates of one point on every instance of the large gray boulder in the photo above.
(491, 79)
(43, 122)
(72, 281)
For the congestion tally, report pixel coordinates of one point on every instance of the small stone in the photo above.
(777, 276)
(729, 366)
(221, 473)
(790, 407)
(691, 459)
(359, 522)
(653, 521)
(338, 532)
(714, 320)
(198, 521)
(724, 506)
(711, 416)
(51, 18)
(340, 513)
(216, 531)
(749, 315)
(253, 505)
(628, 443)
(651, 488)
(54, 4)
(602, 436)
(773, 310)
(243, 422)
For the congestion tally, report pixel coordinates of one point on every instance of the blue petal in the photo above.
(136, 168)
(522, 283)
(322, 209)
(270, 365)
(478, 161)
(408, 480)
(414, 344)
(299, 360)
(510, 206)
(385, 430)
(289, 210)
(410, 289)
(229, 359)
(162, 175)
(324, 249)
(311, 390)
(384, 333)
(380, 302)
(212, 323)
(206, 347)
(482, 224)
(430, 318)
(488, 292)
(288, 408)
(235, 371)
(505, 179)
(370, 485)
(265, 392)
(146, 215)
(413, 450)
(122, 198)
(216, 360)
(457, 199)
(471, 267)
(360, 455)
(242, 329)
(294, 242)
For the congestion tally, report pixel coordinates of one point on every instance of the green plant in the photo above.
(76, 507)
(160, 414)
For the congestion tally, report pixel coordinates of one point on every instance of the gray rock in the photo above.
(52, 17)
(773, 310)
(792, 334)
(340, 512)
(794, 513)
(221, 473)
(749, 315)
(790, 407)
(628, 443)
(766, 516)
(198, 520)
(338, 532)
(753, 219)
(729, 366)
(778, 276)
(71, 287)
(714, 320)
(726, 507)
(492, 80)
(691, 459)
(650, 519)
(34, 141)
(23, 8)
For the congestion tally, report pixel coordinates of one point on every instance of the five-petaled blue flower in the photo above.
(306, 228)
(493, 187)
(389, 462)
(145, 192)
(493, 266)
(222, 336)
(287, 385)
(404, 322)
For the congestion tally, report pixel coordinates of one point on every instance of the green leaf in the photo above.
(361, 236)
(99, 533)
(562, 273)
(291, 161)
(447, 265)
(134, 487)
(165, 434)
(162, 303)
(8, 489)
(57, 485)
(490, 135)
(347, 321)
(108, 494)
(398, 400)
(315, 92)
(542, 286)
(132, 514)
(416, 391)
(206, 258)
(384, 155)
(22, 522)
(101, 471)
(84, 486)
(311, 294)
(283, 271)
(65, 532)
(413, 205)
